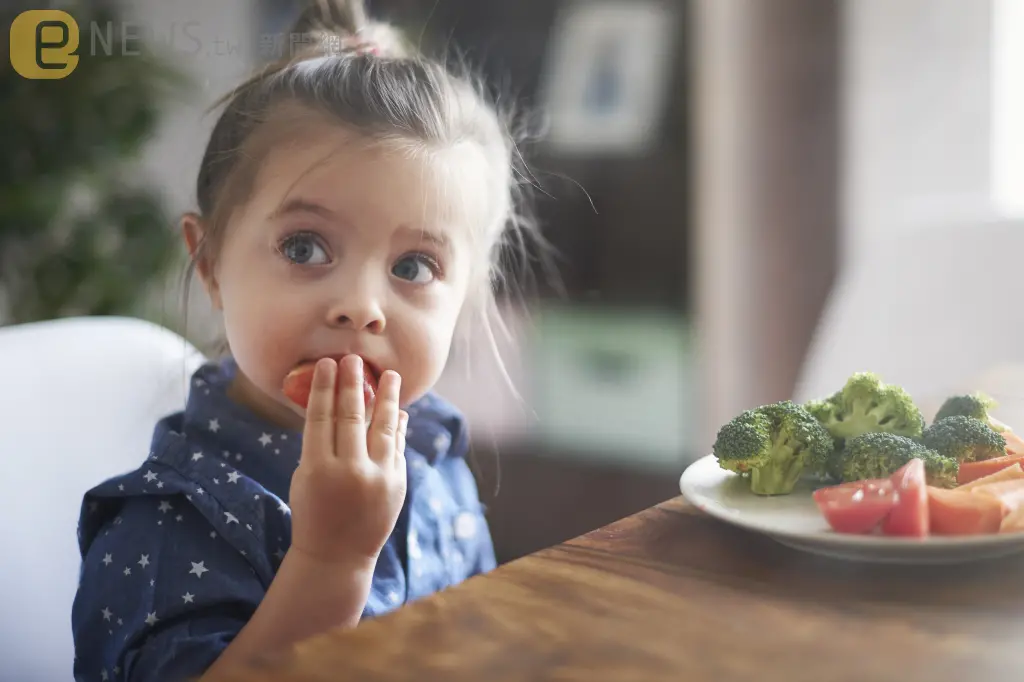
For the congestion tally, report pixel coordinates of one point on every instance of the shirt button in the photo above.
(465, 526)
(394, 597)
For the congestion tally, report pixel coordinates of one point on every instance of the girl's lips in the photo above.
(298, 383)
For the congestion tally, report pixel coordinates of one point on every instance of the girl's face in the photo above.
(345, 248)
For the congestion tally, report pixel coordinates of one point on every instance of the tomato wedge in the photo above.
(299, 383)
(958, 512)
(856, 507)
(909, 516)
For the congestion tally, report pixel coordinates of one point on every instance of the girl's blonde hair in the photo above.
(363, 75)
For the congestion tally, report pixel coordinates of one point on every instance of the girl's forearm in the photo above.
(307, 597)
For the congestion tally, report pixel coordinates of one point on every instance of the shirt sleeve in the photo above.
(161, 594)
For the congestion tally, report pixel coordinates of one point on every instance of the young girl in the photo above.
(352, 203)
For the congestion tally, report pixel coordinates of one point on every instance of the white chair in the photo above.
(934, 308)
(79, 400)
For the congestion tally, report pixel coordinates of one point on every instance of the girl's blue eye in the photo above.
(417, 268)
(304, 249)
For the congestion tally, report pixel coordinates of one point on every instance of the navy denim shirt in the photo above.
(178, 553)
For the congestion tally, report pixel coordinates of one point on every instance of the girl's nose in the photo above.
(357, 313)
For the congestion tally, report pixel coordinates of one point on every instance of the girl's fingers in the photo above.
(383, 433)
(350, 428)
(318, 432)
(403, 425)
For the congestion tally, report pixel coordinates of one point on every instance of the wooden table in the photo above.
(672, 594)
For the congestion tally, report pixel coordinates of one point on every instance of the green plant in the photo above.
(79, 235)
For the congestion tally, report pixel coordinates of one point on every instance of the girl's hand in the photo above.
(350, 484)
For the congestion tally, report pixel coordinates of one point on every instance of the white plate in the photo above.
(794, 520)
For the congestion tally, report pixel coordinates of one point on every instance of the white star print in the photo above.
(199, 568)
(213, 533)
(107, 613)
(265, 439)
(277, 451)
(103, 675)
(151, 618)
(248, 526)
(188, 497)
(179, 517)
(283, 508)
(93, 507)
(159, 484)
(200, 382)
(188, 597)
(226, 454)
(465, 526)
(117, 670)
(414, 545)
(199, 491)
(196, 456)
(230, 518)
(107, 559)
(214, 425)
(119, 622)
(152, 583)
(233, 477)
(120, 486)
(165, 506)
(279, 553)
(216, 481)
(284, 436)
(150, 476)
(238, 457)
(127, 571)
(144, 560)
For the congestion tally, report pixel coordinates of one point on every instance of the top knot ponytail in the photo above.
(343, 27)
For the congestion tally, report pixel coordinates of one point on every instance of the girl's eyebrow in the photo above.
(439, 240)
(300, 205)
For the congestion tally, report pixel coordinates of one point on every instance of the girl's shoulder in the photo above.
(176, 481)
(437, 428)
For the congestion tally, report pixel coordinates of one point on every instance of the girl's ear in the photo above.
(193, 231)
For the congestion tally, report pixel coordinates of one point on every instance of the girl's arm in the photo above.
(346, 495)
(307, 597)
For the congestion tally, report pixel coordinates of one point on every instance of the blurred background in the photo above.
(750, 199)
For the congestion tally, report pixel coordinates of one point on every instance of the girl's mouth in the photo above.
(298, 383)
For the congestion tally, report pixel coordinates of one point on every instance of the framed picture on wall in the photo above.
(607, 75)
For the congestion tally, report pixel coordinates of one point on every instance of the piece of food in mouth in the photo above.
(299, 382)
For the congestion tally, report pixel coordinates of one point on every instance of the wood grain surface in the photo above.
(672, 594)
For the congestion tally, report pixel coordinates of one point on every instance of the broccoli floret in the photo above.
(866, 405)
(977, 405)
(964, 439)
(773, 444)
(880, 454)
